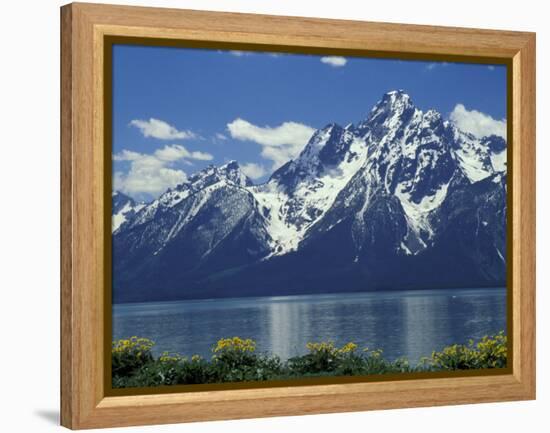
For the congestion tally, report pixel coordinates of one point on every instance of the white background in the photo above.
(29, 216)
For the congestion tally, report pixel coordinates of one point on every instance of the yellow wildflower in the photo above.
(235, 344)
(349, 347)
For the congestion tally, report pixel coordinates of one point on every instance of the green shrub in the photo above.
(166, 371)
(130, 355)
(489, 352)
(236, 360)
(322, 357)
(234, 352)
(371, 362)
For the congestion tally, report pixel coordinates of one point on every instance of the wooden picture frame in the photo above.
(85, 223)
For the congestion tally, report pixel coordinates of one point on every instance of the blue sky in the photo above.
(176, 110)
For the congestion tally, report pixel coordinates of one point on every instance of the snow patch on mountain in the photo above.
(124, 208)
(400, 153)
(291, 210)
(498, 161)
(418, 213)
(478, 158)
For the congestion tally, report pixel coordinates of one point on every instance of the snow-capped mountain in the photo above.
(402, 199)
(302, 191)
(124, 209)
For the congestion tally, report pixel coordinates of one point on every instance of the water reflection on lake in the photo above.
(401, 323)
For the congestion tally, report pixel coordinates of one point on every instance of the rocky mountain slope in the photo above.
(124, 208)
(402, 199)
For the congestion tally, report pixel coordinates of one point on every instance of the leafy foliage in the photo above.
(487, 353)
(130, 355)
(236, 360)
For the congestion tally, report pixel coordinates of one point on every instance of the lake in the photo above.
(401, 323)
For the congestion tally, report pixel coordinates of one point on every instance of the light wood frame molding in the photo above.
(84, 403)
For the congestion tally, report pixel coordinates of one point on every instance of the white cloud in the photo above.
(238, 53)
(118, 181)
(433, 65)
(220, 136)
(171, 153)
(477, 123)
(177, 151)
(160, 129)
(253, 170)
(201, 156)
(148, 175)
(279, 144)
(334, 61)
(127, 155)
(152, 174)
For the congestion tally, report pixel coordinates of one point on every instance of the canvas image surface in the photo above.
(281, 216)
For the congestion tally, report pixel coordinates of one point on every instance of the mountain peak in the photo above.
(212, 174)
(319, 140)
(394, 107)
(120, 195)
(394, 99)
(119, 199)
(123, 208)
(331, 126)
(232, 171)
(231, 165)
(398, 93)
(402, 185)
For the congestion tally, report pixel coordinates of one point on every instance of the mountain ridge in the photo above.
(384, 193)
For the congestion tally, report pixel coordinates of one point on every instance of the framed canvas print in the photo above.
(270, 216)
